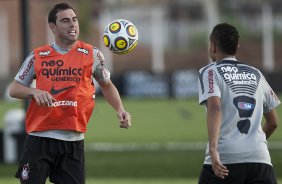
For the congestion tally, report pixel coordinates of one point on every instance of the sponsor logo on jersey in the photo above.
(44, 53)
(64, 103)
(57, 91)
(100, 57)
(241, 78)
(84, 51)
(106, 73)
(210, 80)
(231, 74)
(26, 69)
(53, 69)
(246, 106)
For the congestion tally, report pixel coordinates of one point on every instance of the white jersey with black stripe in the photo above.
(245, 96)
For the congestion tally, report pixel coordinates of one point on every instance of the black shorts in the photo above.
(61, 161)
(242, 173)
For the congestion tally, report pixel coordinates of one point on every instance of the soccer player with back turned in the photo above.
(62, 102)
(237, 97)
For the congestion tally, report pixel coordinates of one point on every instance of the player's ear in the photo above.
(52, 26)
(213, 47)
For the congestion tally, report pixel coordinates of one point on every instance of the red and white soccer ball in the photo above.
(120, 36)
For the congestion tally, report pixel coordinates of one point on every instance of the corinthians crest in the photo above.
(25, 171)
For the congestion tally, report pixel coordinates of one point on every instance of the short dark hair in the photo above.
(226, 38)
(52, 17)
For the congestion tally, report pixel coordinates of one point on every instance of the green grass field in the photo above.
(121, 181)
(124, 181)
(155, 123)
(152, 121)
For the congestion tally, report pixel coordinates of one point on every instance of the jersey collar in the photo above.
(229, 58)
(58, 48)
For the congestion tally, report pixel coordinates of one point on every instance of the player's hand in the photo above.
(125, 119)
(42, 98)
(219, 170)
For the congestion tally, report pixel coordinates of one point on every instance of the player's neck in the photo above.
(65, 46)
(222, 56)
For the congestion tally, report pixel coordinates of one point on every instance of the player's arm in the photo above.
(110, 92)
(213, 124)
(20, 87)
(271, 123)
(269, 112)
(210, 95)
(19, 90)
(112, 96)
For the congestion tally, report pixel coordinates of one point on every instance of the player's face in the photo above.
(66, 30)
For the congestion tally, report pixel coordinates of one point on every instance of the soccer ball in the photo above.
(120, 36)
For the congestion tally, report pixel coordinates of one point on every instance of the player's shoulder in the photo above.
(93, 47)
(30, 58)
(84, 47)
(98, 54)
(42, 48)
(206, 68)
(237, 64)
(249, 66)
(84, 44)
(30, 55)
(96, 49)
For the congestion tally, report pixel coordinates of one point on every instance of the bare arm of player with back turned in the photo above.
(271, 123)
(269, 112)
(213, 123)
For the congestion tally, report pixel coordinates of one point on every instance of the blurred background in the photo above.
(157, 80)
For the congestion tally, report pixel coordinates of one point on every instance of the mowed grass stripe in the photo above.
(155, 146)
(162, 120)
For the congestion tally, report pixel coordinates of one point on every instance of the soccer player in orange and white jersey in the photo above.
(62, 102)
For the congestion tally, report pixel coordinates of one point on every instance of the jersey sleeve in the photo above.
(99, 70)
(208, 84)
(271, 99)
(26, 73)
